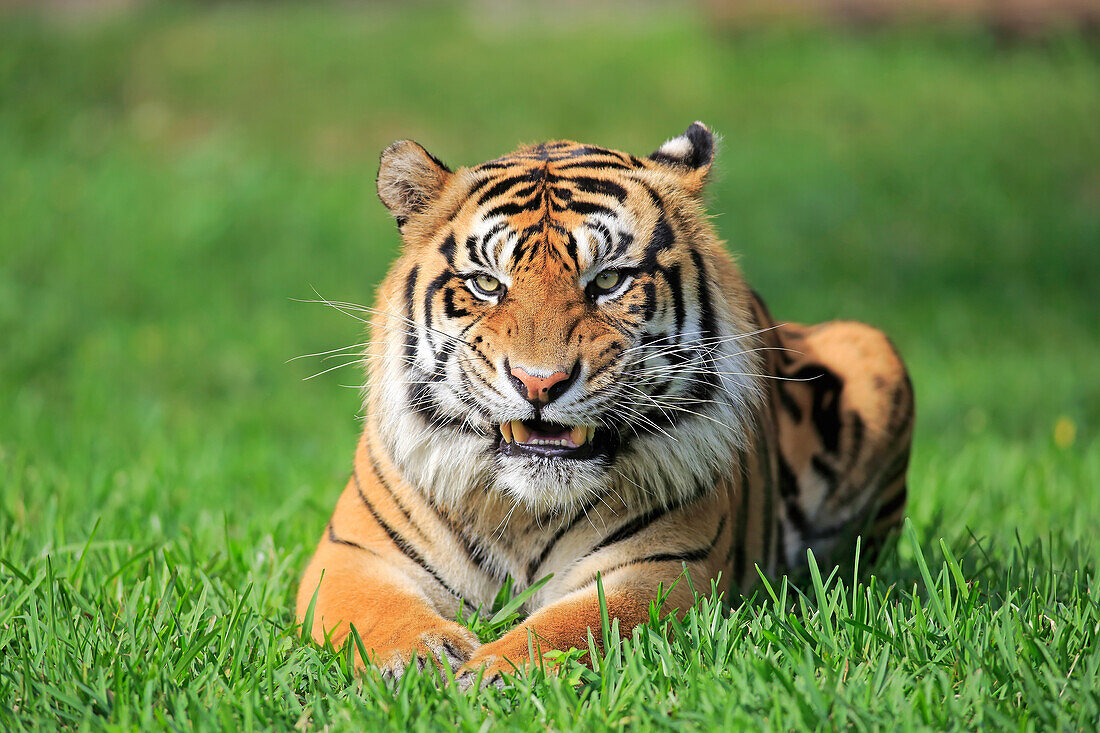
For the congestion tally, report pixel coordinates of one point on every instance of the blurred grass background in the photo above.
(172, 179)
(172, 176)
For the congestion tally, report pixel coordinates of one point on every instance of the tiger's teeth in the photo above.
(506, 431)
(579, 435)
(520, 432)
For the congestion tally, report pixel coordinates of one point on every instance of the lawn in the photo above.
(173, 182)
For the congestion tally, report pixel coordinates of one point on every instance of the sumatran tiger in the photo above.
(568, 376)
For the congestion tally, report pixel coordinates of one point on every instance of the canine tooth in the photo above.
(579, 435)
(520, 432)
(506, 431)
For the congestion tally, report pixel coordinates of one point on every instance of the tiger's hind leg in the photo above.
(845, 424)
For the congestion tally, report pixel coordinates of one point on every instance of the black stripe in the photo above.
(523, 193)
(410, 332)
(633, 527)
(449, 648)
(447, 248)
(825, 386)
(899, 409)
(450, 309)
(615, 345)
(424, 404)
(589, 207)
(781, 543)
(827, 473)
(740, 552)
(571, 249)
(797, 517)
(893, 504)
(897, 501)
(437, 161)
(764, 463)
(479, 185)
(594, 150)
(789, 404)
(429, 294)
(473, 251)
(765, 439)
(510, 209)
(566, 528)
(377, 471)
(496, 164)
(476, 348)
(475, 553)
(788, 484)
(596, 164)
(660, 240)
(675, 284)
(479, 251)
(707, 318)
(599, 371)
(695, 555)
(649, 290)
(332, 537)
(895, 470)
(505, 184)
(625, 240)
(560, 197)
(598, 186)
(704, 387)
(856, 429)
(401, 543)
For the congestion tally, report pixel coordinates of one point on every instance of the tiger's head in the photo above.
(562, 324)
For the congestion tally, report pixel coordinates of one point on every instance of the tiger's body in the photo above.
(569, 376)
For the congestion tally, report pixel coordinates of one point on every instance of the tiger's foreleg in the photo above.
(670, 559)
(565, 623)
(353, 581)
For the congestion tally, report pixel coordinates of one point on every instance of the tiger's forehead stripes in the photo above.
(540, 198)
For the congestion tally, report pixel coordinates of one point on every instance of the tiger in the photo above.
(569, 382)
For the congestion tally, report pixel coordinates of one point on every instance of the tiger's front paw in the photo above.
(445, 643)
(506, 655)
(490, 667)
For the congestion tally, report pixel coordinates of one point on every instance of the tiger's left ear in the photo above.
(410, 179)
(690, 155)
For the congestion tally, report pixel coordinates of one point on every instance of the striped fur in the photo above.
(699, 451)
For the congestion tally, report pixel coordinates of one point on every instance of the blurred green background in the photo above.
(172, 178)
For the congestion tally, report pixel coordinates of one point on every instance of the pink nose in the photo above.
(538, 388)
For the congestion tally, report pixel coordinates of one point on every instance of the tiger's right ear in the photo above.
(409, 179)
(690, 155)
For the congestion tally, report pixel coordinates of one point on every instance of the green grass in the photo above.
(169, 181)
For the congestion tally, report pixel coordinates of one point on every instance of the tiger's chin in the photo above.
(550, 484)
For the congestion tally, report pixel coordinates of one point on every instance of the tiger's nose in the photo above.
(536, 388)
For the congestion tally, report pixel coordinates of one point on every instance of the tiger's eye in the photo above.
(486, 284)
(607, 279)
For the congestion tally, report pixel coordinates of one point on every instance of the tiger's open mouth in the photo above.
(547, 440)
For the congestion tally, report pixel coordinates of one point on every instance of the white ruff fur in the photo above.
(662, 466)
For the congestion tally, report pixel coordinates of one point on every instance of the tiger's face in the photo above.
(562, 324)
